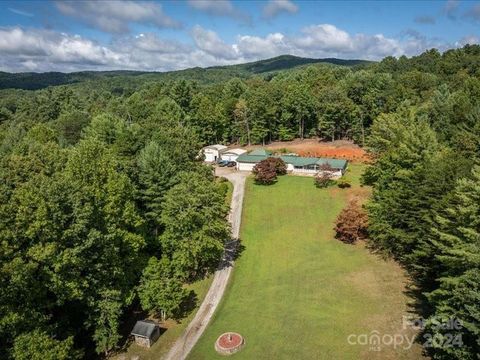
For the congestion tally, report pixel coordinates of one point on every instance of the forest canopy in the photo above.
(93, 175)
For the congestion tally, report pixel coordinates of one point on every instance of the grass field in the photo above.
(296, 292)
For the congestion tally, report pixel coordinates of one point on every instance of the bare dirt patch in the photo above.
(340, 149)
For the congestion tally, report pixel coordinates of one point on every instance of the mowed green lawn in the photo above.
(296, 292)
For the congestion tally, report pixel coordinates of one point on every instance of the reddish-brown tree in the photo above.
(279, 164)
(352, 223)
(266, 171)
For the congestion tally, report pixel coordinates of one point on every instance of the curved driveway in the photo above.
(185, 343)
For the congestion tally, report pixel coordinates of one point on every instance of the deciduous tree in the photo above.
(352, 223)
(266, 171)
(161, 290)
(38, 345)
(194, 217)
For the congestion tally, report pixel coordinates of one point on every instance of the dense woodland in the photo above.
(105, 207)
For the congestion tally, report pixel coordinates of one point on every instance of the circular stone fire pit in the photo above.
(229, 343)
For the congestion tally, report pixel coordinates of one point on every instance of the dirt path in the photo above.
(185, 343)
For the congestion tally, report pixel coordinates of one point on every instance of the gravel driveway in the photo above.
(185, 343)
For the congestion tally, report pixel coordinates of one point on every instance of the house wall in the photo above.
(335, 174)
(145, 342)
(245, 166)
(211, 155)
(230, 157)
(304, 171)
(155, 335)
(290, 168)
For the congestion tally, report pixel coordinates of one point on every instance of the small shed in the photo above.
(212, 152)
(145, 332)
(232, 154)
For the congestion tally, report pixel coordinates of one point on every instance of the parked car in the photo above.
(231, 164)
(223, 163)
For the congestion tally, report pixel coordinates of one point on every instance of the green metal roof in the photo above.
(335, 163)
(299, 160)
(247, 158)
(259, 154)
(305, 161)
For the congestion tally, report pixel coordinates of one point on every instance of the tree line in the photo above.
(425, 207)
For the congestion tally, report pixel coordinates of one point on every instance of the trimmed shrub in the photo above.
(324, 178)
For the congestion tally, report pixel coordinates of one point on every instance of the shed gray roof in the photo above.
(234, 151)
(218, 147)
(144, 328)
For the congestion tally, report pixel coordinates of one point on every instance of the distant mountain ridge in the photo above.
(34, 81)
(285, 62)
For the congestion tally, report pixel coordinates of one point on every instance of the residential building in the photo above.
(295, 164)
(212, 153)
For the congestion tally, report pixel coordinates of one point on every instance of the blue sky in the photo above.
(169, 35)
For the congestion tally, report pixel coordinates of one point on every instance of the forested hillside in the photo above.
(105, 208)
(35, 81)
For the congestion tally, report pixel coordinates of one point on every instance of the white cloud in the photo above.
(114, 16)
(151, 43)
(256, 47)
(471, 40)
(216, 7)
(211, 43)
(45, 50)
(274, 7)
(16, 41)
(325, 37)
(219, 8)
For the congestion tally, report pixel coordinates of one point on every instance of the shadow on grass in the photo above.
(187, 306)
(233, 250)
(418, 307)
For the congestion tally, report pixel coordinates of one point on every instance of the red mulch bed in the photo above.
(225, 343)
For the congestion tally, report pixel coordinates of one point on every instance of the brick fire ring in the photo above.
(229, 343)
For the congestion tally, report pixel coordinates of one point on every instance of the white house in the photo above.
(295, 164)
(246, 162)
(212, 153)
(232, 154)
